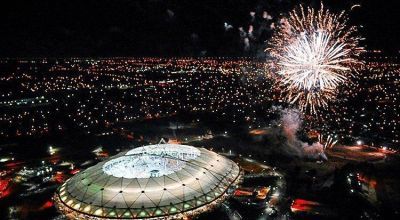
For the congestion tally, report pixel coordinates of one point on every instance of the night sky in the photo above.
(48, 28)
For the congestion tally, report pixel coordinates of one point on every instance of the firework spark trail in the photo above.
(314, 53)
(310, 63)
(329, 143)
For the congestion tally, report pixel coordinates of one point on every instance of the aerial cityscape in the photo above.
(168, 109)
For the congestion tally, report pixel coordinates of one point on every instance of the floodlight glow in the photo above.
(151, 161)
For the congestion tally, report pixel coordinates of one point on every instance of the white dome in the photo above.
(153, 181)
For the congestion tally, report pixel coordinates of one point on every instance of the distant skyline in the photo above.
(50, 28)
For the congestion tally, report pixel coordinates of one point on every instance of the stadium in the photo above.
(162, 181)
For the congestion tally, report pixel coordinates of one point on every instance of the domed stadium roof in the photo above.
(153, 181)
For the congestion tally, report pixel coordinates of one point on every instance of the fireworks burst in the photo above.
(329, 143)
(314, 53)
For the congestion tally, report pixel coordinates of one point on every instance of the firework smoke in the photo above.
(314, 151)
(313, 53)
(291, 121)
